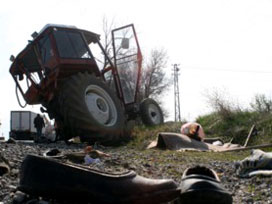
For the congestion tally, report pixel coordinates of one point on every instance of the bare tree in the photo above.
(154, 81)
(107, 39)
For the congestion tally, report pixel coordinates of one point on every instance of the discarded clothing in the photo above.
(193, 130)
(176, 141)
(49, 132)
(89, 160)
(258, 163)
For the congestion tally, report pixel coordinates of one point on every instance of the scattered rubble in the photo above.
(149, 163)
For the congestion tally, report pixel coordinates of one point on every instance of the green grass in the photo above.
(236, 127)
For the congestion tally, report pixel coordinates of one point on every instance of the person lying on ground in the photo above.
(193, 130)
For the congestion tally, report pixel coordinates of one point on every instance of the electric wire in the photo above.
(227, 70)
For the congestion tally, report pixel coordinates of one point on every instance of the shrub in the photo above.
(261, 104)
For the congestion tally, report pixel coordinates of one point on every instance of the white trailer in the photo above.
(22, 125)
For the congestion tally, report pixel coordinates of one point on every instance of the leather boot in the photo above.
(52, 179)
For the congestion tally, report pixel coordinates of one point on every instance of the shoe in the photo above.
(202, 185)
(49, 178)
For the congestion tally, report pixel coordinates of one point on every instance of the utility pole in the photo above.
(176, 93)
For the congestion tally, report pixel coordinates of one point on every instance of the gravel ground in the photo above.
(149, 163)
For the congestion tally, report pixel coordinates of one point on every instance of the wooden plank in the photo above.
(249, 135)
(247, 148)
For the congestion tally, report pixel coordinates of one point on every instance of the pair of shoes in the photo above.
(201, 185)
(49, 178)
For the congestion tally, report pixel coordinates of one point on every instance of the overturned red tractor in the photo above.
(58, 70)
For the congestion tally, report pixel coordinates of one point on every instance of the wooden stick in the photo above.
(247, 148)
(249, 135)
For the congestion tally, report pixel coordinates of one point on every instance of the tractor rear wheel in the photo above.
(91, 109)
(151, 113)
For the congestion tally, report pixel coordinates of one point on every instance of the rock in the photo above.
(19, 197)
(14, 172)
(11, 141)
(249, 200)
(12, 187)
(12, 164)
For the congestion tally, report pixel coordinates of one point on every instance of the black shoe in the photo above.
(202, 185)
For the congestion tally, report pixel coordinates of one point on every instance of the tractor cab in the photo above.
(55, 53)
(59, 51)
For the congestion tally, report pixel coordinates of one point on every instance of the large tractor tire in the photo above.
(151, 113)
(91, 110)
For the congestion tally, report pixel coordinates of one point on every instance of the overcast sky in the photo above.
(221, 45)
